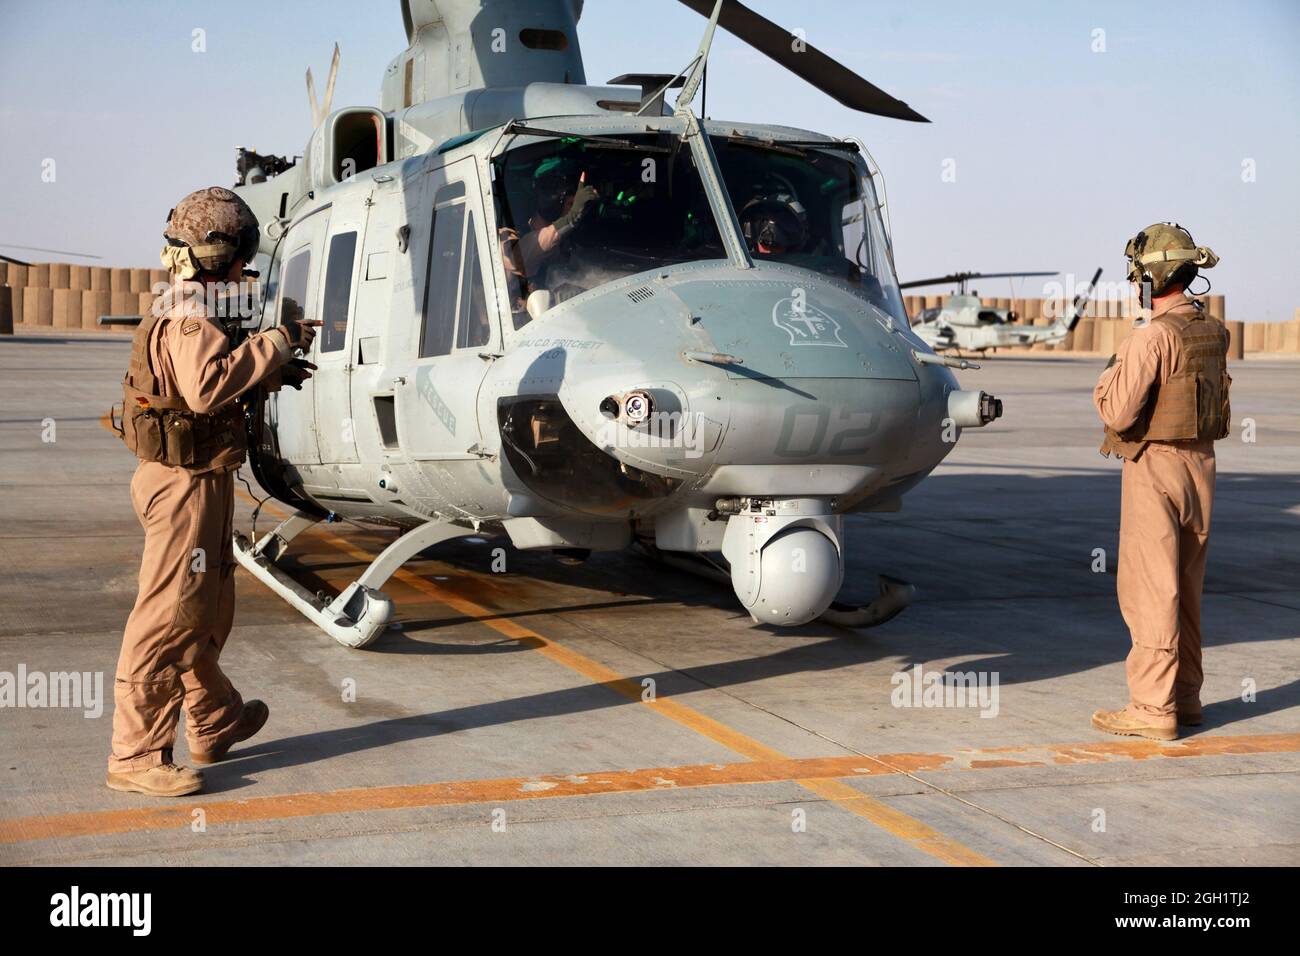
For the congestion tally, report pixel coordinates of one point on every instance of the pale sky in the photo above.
(1060, 153)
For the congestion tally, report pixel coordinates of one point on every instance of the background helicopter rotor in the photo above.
(961, 278)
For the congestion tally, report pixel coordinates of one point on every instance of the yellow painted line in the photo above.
(894, 822)
(822, 775)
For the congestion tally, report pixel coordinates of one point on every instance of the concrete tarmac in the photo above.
(624, 713)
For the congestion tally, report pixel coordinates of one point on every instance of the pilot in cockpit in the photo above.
(563, 202)
(774, 224)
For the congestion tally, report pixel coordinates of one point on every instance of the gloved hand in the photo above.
(585, 194)
(301, 332)
(296, 372)
(578, 208)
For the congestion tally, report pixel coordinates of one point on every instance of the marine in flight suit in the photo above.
(182, 419)
(1164, 402)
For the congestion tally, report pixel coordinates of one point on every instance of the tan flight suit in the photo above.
(186, 602)
(1168, 491)
(524, 255)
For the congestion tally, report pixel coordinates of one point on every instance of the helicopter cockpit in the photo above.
(575, 212)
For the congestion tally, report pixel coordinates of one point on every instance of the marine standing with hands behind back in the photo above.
(182, 419)
(1164, 402)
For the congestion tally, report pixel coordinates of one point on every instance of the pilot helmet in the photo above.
(774, 223)
(553, 181)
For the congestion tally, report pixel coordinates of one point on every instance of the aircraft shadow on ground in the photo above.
(1011, 583)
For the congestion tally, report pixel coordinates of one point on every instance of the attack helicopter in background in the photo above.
(963, 323)
(580, 317)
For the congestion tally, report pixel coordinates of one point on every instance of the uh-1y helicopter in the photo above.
(567, 313)
(965, 324)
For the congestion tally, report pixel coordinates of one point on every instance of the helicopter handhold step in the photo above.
(895, 596)
(361, 612)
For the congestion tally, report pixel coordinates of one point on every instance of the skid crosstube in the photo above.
(362, 611)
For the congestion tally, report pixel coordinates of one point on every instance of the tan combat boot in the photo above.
(251, 720)
(1126, 723)
(164, 780)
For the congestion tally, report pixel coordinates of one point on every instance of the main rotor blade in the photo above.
(967, 276)
(806, 61)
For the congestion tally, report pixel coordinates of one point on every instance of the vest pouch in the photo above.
(180, 439)
(221, 439)
(1174, 413)
(1221, 427)
(146, 426)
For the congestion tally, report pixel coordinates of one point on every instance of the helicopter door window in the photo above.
(443, 277)
(293, 288)
(338, 292)
(472, 329)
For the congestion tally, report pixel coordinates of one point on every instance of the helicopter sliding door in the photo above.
(293, 295)
(335, 343)
(455, 326)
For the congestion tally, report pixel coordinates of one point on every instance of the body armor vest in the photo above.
(165, 429)
(1193, 404)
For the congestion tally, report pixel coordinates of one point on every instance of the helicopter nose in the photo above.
(824, 378)
(767, 381)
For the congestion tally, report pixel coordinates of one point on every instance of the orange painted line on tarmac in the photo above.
(592, 670)
(580, 663)
(900, 825)
(894, 822)
(822, 775)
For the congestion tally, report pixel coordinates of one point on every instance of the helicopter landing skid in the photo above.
(358, 615)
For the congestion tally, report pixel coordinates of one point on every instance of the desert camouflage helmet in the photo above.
(207, 231)
(1163, 252)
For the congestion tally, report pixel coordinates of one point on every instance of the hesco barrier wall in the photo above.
(66, 296)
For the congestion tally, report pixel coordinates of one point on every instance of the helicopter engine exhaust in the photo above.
(786, 557)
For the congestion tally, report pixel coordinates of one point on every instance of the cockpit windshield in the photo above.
(575, 212)
(811, 208)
